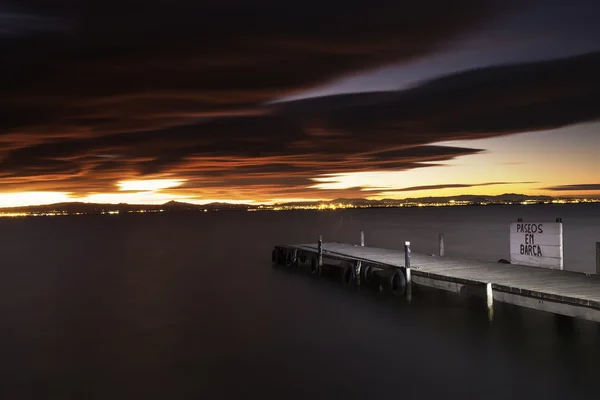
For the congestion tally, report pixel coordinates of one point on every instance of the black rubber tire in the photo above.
(367, 273)
(315, 269)
(397, 283)
(302, 257)
(289, 259)
(275, 257)
(280, 257)
(348, 274)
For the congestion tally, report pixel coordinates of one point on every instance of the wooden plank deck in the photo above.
(561, 292)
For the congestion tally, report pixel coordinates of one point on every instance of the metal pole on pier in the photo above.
(490, 301)
(441, 239)
(407, 269)
(407, 254)
(320, 250)
(362, 238)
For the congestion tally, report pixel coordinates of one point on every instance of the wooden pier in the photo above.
(555, 291)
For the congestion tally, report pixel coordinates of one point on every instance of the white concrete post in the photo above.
(362, 238)
(407, 269)
(490, 301)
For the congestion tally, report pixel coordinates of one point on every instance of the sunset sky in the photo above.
(272, 101)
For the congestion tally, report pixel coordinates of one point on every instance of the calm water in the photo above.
(188, 306)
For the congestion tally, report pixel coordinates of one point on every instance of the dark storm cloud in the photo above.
(473, 104)
(580, 187)
(219, 153)
(453, 186)
(39, 167)
(336, 134)
(179, 88)
(136, 66)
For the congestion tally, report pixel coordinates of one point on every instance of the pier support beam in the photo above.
(441, 240)
(490, 301)
(362, 238)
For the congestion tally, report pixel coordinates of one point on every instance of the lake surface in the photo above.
(182, 306)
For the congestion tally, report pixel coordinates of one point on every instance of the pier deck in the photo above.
(560, 292)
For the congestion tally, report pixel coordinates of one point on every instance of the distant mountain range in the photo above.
(175, 206)
(98, 208)
(508, 197)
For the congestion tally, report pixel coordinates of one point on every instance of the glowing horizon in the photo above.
(519, 166)
(27, 199)
(141, 185)
(49, 198)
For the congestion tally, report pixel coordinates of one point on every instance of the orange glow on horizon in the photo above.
(23, 199)
(149, 184)
(32, 198)
(519, 165)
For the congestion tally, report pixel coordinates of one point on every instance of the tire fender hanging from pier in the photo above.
(278, 256)
(290, 260)
(348, 274)
(275, 256)
(367, 273)
(302, 257)
(315, 268)
(396, 282)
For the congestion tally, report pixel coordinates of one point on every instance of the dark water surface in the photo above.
(187, 306)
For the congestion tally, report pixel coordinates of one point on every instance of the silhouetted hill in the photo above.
(507, 197)
(98, 208)
(176, 206)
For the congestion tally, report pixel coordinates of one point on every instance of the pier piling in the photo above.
(320, 251)
(362, 238)
(407, 269)
(490, 301)
(441, 240)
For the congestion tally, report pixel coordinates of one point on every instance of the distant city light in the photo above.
(317, 206)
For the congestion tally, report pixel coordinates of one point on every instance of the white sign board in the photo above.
(537, 244)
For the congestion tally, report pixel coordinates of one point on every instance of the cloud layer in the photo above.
(575, 188)
(452, 186)
(122, 67)
(181, 90)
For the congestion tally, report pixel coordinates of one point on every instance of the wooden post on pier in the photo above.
(597, 258)
(407, 269)
(320, 250)
(362, 238)
(441, 240)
